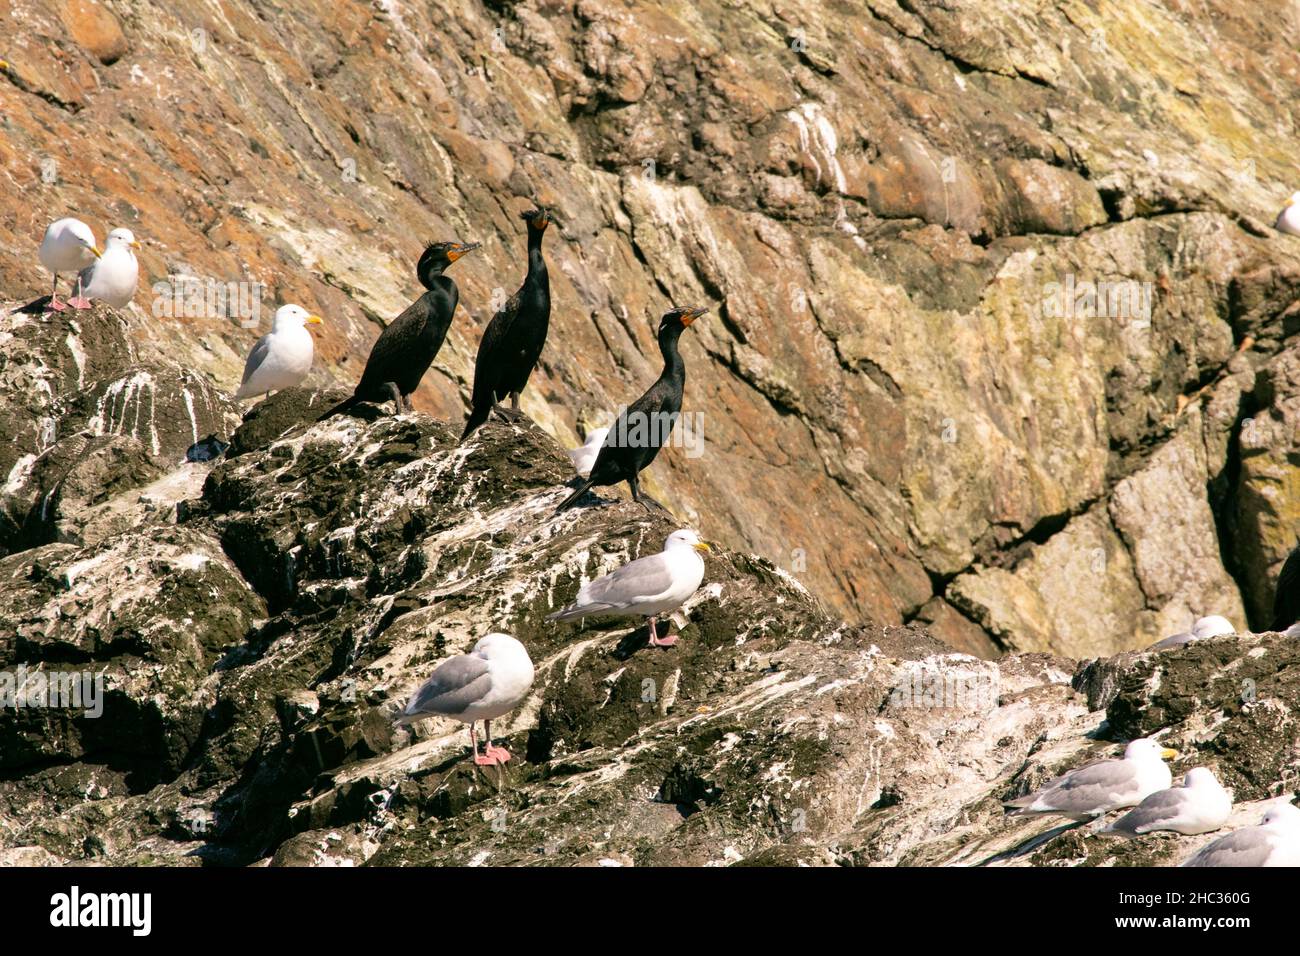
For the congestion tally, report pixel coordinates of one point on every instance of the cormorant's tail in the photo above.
(477, 416)
(346, 405)
(578, 492)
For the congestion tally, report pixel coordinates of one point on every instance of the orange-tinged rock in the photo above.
(94, 28)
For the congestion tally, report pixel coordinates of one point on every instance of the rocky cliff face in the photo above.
(1001, 357)
(914, 398)
(256, 642)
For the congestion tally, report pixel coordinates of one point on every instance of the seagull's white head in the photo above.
(1200, 777)
(497, 644)
(1283, 813)
(292, 317)
(121, 237)
(1147, 748)
(1212, 626)
(84, 236)
(685, 538)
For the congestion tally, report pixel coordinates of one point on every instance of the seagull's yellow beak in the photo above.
(135, 243)
(701, 547)
(95, 250)
(1167, 754)
(313, 320)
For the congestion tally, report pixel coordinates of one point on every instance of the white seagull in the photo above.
(68, 246)
(646, 587)
(282, 357)
(1090, 791)
(1288, 220)
(1212, 626)
(1198, 806)
(488, 682)
(583, 458)
(1275, 842)
(112, 277)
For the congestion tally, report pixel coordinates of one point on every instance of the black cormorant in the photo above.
(1286, 602)
(407, 347)
(512, 342)
(644, 426)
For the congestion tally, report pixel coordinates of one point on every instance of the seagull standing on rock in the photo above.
(646, 587)
(282, 357)
(112, 278)
(488, 682)
(1090, 791)
(68, 246)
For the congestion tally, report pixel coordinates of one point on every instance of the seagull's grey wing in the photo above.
(1163, 806)
(256, 357)
(455, 685)
(644, 577)
(1083, 790)
(1176, 640)
(1246, 847)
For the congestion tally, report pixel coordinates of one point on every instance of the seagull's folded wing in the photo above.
(1163, 806)
(1250, 846)
(640, 581)
(256, 357)
(454, 686)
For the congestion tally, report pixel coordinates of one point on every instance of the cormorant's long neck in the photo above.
(536, 262)
(674, 367)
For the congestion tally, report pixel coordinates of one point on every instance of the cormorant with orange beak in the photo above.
(644, 426)
(407, 347)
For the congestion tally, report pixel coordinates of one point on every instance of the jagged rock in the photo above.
(85, 419)
(355, 554)
(274, 415)
(988, 305)
(875, 206)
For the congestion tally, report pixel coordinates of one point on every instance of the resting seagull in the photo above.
(1090, 791)
(1288, 220)
(1211, 626)
(646, 587)
(112, 278)
(1200, 805)
(68, 246)
(1275, 842)
(585, 456)
(488, 682)
(282, 357)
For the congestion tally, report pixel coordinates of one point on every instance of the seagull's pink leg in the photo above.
(656, 640)
(499, 753)
(484, 759)
(79, 301)
(55, 304)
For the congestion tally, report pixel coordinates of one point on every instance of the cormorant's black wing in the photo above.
(1286, 602)
(389, 353)
(490, 360)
